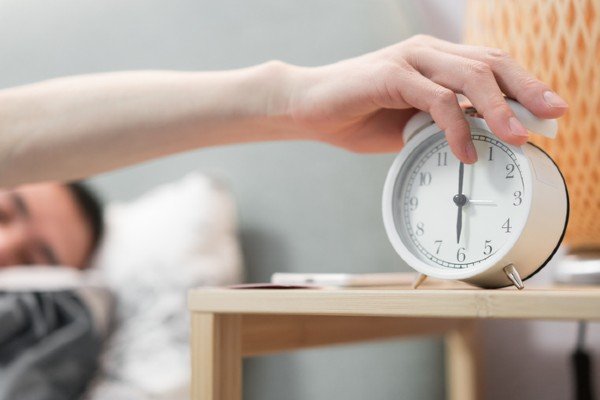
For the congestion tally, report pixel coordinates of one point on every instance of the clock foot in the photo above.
(419, 280)
(514, 276)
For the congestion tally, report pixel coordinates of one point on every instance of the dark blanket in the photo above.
(49, 346)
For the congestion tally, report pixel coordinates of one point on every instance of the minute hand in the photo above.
(459, 201)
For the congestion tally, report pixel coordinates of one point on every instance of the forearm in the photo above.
(75, 127)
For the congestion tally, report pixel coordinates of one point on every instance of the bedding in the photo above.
(176, 237)
(52, 325)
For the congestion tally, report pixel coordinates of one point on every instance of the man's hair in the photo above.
(91, 207)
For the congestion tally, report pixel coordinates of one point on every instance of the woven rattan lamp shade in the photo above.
(559, 41)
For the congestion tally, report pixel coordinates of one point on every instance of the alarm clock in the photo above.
(492, 224)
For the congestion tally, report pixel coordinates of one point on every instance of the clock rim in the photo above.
(568, 212)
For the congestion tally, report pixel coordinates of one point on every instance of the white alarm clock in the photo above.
(491, 224)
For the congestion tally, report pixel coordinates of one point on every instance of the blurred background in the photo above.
(303, 207)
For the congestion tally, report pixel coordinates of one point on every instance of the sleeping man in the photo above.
(49, 341)
(70, 272)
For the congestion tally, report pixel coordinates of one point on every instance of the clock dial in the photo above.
(454, 215)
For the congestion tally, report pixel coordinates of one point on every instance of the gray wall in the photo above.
(303, 206)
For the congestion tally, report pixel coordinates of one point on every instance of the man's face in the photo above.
(42, 224)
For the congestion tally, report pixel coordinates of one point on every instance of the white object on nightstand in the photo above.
(492, 224)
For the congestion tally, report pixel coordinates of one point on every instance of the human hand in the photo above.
(362, 104)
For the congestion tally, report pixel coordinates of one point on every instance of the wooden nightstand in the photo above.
(228, 324)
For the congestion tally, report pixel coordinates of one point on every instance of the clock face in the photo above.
(456, 216)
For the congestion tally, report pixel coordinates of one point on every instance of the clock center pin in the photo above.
(460, 200)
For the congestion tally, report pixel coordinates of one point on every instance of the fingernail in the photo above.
(471, 152)
(554, 100)
(516, 128)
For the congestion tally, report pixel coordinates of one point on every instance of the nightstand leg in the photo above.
(216, 357)
(463, 362)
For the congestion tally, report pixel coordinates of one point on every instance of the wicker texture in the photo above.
(559, 41)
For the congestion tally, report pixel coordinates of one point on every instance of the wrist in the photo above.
(250, 104)
(282, 87)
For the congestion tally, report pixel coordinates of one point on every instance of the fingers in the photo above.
(512, 79)
(476, 80)
(443, 106)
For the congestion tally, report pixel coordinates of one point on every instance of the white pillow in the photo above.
(176, 237)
